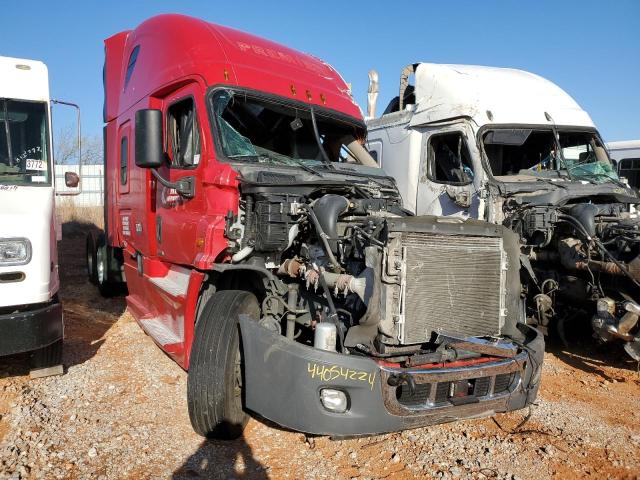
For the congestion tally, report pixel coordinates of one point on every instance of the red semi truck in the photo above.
(265, 252)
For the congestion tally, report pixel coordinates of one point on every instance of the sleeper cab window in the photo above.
(448, 159)
(124, 160)
(133, 58)
(183, 134)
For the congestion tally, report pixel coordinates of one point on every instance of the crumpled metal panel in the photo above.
(453, 284)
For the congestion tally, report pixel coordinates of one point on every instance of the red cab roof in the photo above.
(173, 47)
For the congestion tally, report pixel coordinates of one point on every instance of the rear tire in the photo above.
(215, 383)
(91, 260)
(49, 356)
(106, 287)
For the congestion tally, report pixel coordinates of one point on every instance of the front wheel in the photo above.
(215, 382)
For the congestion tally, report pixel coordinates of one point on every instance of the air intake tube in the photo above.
(327, 210)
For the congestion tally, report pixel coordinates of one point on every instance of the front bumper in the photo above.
(30, 328)
(283, 380)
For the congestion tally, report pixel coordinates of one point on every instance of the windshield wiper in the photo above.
(550, 182)
(308, 168)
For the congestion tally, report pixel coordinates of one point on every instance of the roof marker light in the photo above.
(21, 66)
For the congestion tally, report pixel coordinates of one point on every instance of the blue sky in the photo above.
(591, 49)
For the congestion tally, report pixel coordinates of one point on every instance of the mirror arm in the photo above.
(185, 186)
(79, 187)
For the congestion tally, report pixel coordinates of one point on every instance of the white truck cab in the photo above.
(432, 140)
(512, 148)
(30, 312)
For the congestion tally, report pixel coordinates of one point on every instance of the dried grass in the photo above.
(77, 220)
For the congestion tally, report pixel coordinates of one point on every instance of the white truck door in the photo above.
(449, 179)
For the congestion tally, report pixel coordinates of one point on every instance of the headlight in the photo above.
(14, 251)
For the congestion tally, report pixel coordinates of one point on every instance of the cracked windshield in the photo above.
(257, 130)
(24, 152)
(519, 154)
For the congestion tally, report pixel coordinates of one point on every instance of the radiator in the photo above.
(451, 284)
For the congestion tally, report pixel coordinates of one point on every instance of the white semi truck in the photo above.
(513, 148)
(30, 311)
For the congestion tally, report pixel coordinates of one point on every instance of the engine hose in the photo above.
(332, 309)
(578, 225)
(323, 239)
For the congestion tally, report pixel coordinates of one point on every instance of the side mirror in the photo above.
(71, 179)
(149, 150)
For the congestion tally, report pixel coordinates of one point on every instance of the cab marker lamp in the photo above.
(14, 251)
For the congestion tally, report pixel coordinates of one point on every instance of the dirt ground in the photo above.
(120, 411)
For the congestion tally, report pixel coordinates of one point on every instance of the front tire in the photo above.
(215, 381)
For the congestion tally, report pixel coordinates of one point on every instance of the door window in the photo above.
(183, 134)
(448, 159)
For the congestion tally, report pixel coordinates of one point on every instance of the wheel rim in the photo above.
(89, 262)
(101, 266)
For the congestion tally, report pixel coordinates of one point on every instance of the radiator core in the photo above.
(452, 284)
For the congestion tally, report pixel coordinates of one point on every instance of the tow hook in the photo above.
(397, 379)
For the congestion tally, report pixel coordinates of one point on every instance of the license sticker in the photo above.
(38, 165)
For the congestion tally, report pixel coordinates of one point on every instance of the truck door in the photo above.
(124, 210)
(448, 183)
(177, 216)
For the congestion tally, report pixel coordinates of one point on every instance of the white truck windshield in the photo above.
(24, 146)
(517, 153)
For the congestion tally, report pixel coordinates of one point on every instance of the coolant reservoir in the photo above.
(325, 336)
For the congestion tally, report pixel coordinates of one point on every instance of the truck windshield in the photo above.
(258, 130)
(24, 145)
(518, 154)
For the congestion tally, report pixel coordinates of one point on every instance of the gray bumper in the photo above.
(283, 381)
(30, 329)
